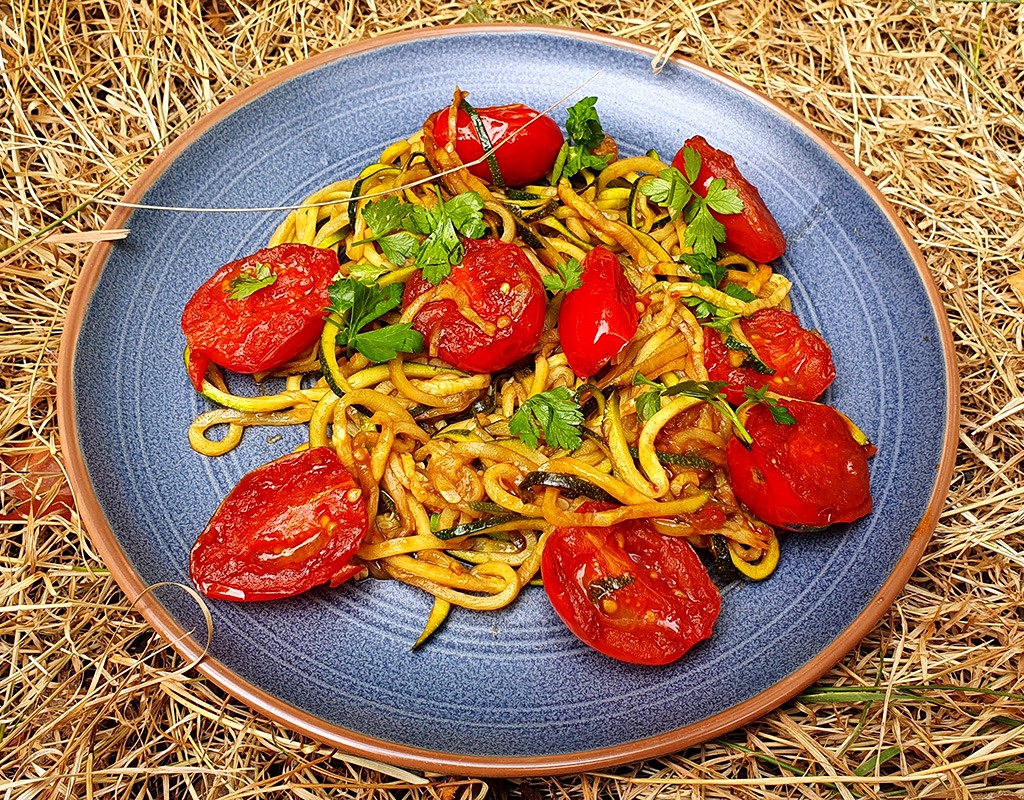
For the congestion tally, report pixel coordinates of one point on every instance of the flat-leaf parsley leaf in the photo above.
(356, 305)
(394, 224)
(674, 191)
(251, 281)
(569, 276)
(779, 412)
(585, 133)
(442, 224)
(553, 414)
(708, 391)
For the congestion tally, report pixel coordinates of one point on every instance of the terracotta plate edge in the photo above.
(94, 520)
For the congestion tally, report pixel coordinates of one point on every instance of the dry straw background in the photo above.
(924, 96)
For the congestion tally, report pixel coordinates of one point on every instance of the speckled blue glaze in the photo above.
(514, 682)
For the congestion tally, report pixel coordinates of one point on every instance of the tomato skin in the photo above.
(801, 358)
(600, 317)
(287, 526)
(669, 604)
(526, 158)
(270, 326)
(488, 267)
(754, 232)
(808, 475)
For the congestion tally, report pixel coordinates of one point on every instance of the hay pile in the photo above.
(925, 98)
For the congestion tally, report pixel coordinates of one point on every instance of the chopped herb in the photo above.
(670, 190)
(739, 292)
(710, 273)
(553, 414)
(585, 133)
(394, 222)
(707, 271)
(583, 124)
(639, 379)
(720, 320)
(569, 277)
(577, 159)
(598, 590)
(674, 191)
(779, 412)
(387, 214)
(692, 164)
(365, 272)
(251, 281)
(703, 231)
(442, 224)
(390, 220)
(398, 248)
(708, 391)
(648, 404)
(356, 305)
(383, 344)
(721, 199)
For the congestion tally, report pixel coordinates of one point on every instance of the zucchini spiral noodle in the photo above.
(459, 506)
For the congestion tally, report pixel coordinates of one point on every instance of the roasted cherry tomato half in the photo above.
(526, 157)
(628, 591)
(800, 359)
(803, 476)
(270, 326)
(287, 526)
(600, 317)
(495, 285)
(754, 232)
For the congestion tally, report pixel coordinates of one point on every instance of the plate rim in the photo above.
(102, 536)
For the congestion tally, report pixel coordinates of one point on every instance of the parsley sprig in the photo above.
(356, 305)
(569, 276)
(249, 282)
(708, 391)
(779, 412)
(396, 226)
(442, 225)
(674, 191)
(554, 414)
(390, 219)
(709, 273)
(585, 133)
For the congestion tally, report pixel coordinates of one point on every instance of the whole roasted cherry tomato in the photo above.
(493, 314)
(270, 326)
(287, 526)
(803, 476)
(754, 232)
(800, 359)
(526, 157)
(600, 317)
(630, 592)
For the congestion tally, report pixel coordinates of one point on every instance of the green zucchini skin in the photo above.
(485, 141)
(679, 459)
(724, 568)
(570, 485)
(476, 526)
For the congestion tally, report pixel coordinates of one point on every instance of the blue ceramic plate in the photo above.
(510, 692)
